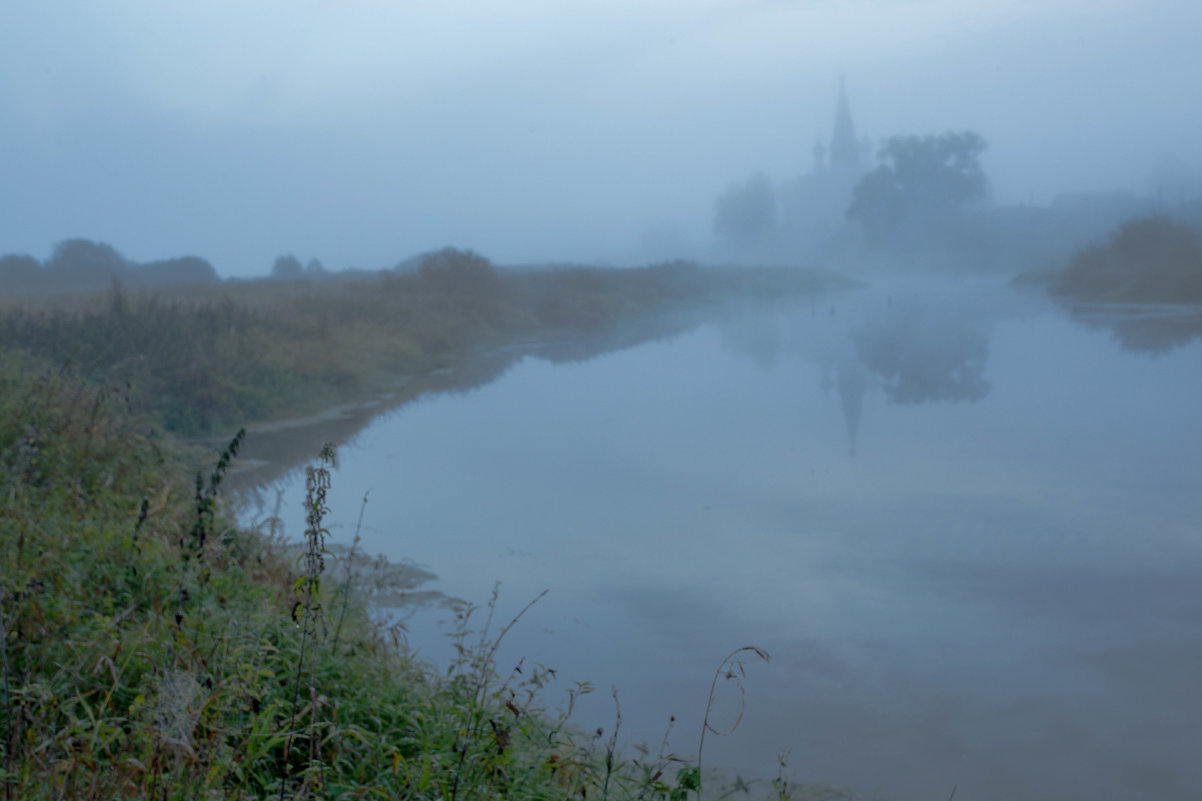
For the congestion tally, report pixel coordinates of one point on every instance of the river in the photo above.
(965, 523)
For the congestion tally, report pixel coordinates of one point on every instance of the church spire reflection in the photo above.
(852, 384)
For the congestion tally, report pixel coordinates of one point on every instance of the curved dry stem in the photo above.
(731, 668)
(350, 561)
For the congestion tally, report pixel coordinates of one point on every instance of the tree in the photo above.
(19, 273)
(924, 185)
(180, 270)
(287, 268)
(82, 264)
(745, 214)
(458, 272)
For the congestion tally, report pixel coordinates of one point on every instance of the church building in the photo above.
(813, 205)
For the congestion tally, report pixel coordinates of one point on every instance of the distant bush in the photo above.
(19, 273)
(1149, 260)
(181, 270)
(81, 265)
(458, 272)
(746, 214)
(85, 258)
(287, 268)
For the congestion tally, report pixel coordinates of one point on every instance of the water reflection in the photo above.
(924, 354)
(756, 338)
(1151, 330)
(853, 386)
(271, 451)
(911, 348)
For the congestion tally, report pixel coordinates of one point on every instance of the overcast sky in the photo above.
(363, 131)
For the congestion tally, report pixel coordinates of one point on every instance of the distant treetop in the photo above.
(924, 183)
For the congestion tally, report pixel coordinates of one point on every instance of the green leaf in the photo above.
(689, 777)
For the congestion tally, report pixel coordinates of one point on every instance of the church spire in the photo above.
(819, 152)
(845, 148)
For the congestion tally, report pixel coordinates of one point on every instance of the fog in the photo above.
(361, 133)
(961, 511)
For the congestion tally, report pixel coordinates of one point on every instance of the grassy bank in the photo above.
(154, 650)
(1149, 260)
(1143, 285)
(208, 359)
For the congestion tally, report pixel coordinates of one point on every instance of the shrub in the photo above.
(287, 268)
(82, 265)
(180, 270)
(1149, 260)
(458, 272)
(19, 273)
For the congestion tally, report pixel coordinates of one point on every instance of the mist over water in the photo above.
(963, 521)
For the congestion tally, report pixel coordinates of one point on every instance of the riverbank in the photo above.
(1144, 285)
(208, 360)
(153, 649)
(1153, 260)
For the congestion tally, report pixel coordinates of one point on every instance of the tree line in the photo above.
(81, 265)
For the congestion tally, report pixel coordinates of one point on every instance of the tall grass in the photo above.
(218, 356)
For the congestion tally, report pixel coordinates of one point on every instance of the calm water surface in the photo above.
(967, 526)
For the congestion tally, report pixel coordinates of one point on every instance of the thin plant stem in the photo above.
(9, 723)
(317, 481)
(350, 561)
(482, 675)
(611, 746)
